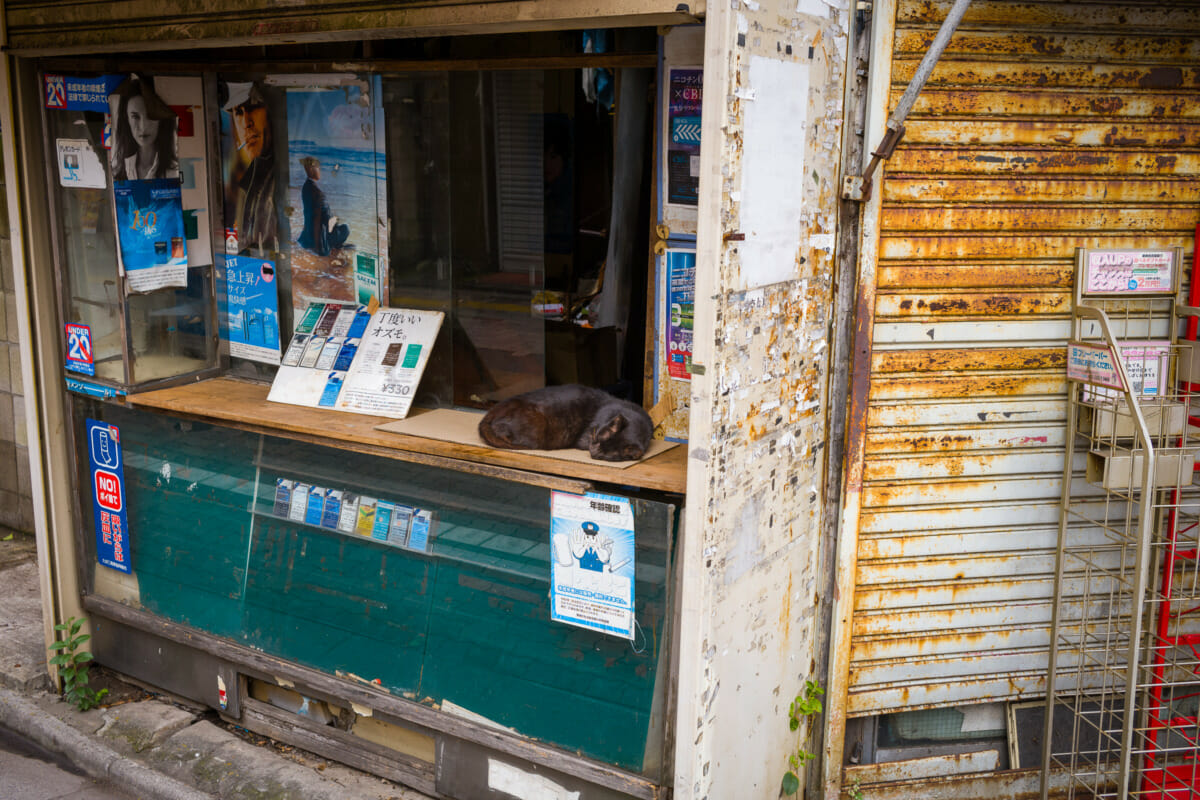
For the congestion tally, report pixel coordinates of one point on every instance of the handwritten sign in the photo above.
(342, 357)
(383, 378)
(1123, 272)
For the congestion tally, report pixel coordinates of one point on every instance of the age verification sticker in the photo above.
(79, 349)
(108, 496)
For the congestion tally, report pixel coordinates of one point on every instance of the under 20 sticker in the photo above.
(79, 349)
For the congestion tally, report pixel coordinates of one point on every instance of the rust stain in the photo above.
(1043, 45)
(785, 612)
(931, 276)
(918, 443)
(984, 304)
(1114, 137)
(962, 360)
(1162, 78)
(968, 386)
(1106, 105)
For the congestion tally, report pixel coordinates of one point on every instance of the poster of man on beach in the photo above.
(336, 201)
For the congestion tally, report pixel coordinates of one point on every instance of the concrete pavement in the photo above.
(31, 772)
(149, 747)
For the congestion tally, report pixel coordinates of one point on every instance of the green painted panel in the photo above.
(467, 622)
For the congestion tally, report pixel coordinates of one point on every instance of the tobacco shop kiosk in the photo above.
(288, 280)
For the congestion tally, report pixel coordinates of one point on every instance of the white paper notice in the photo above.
(772, 197)
(592, 562)
(78, 165)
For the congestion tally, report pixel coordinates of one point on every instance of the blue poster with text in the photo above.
(150, 232)
(253, 301)
(79, 94)
(108, 495)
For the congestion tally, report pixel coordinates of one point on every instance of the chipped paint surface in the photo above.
(760, 413)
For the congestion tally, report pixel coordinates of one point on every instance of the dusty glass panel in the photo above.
(166, 332)
(88, 256)
(500, 195)
(456, 613)
(486, 195)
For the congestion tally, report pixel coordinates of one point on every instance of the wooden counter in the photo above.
(244, 405)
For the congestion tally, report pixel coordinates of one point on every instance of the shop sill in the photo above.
(244, 405)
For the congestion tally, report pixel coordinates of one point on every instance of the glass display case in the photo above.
(132, 317)
(455, 610)
(198, 221)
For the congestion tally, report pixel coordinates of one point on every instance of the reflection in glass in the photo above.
(500, 191)
(167, 332)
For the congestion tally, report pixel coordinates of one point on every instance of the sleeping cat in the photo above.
(573, 416)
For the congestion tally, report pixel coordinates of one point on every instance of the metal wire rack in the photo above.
(1123, 688)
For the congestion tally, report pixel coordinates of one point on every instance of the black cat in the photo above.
(573, 416)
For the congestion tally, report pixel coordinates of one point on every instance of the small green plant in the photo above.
(855, 792)
(72, 665)
(804, 707)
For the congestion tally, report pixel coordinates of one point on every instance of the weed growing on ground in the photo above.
(73, 666)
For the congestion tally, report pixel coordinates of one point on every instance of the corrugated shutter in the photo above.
(520, 183)
(1046, 126)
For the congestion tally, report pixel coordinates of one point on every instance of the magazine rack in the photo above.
(1124, 675)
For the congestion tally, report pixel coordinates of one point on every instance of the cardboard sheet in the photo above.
(462, 427)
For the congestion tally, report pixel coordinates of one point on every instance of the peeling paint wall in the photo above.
(773, 90)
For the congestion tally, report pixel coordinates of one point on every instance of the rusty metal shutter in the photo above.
(1046, 126)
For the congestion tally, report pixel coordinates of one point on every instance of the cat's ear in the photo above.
(609, 429)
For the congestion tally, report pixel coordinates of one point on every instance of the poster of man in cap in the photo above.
(592, 562)
(251, 213)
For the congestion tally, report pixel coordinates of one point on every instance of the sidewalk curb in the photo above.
(92, 757)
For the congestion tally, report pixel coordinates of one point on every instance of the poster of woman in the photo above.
(145, 129)
(336, 198)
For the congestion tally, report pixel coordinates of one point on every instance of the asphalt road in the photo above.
(30, 772)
